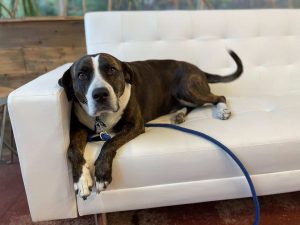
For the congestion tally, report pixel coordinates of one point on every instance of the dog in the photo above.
(120, 97)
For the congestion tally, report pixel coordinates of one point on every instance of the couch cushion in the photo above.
(266, 40)
(263, 132)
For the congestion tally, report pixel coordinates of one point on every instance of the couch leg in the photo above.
(101, 219)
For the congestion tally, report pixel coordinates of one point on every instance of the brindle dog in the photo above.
(125, 96)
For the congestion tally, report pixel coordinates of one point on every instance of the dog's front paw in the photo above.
(102, 177)
(85, 183)
(222, 111)
(101, 185)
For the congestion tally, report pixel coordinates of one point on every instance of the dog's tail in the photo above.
(212, 78)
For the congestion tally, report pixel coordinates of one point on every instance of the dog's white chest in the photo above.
(109, 119)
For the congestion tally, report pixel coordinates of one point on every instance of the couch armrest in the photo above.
(40, 116)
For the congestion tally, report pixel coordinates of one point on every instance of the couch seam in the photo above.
(208, 149)
(235, 177)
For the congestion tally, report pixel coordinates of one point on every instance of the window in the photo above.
(29, 8)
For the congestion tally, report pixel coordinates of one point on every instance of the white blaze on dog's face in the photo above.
(100, 95)
(97, 82)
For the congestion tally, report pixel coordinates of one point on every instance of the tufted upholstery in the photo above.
(268, 41)
(164, 167)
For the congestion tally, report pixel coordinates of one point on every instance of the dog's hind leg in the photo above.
(194, 91)
(179, 116)
(220, 110)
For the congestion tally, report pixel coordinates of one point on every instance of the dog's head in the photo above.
(97, 82)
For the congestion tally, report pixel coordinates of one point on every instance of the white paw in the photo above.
(85, 183)
(222, 111)
(101, 186)
(179, 116)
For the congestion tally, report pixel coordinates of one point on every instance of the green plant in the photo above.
(21, 7)
(10, 10)
(30, 8)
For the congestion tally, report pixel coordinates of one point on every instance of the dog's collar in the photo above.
(99, 129)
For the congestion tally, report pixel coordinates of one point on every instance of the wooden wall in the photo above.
(29, 48)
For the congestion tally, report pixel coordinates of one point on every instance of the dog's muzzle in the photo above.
(100, 95)
(102, 100)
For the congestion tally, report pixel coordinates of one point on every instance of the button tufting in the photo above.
(269, 109)
(267, 45)
(260, 67)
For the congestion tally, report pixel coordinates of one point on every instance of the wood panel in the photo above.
(46, 58)
(42, 33)
(16, 80)
(29, 48)
(12, 61)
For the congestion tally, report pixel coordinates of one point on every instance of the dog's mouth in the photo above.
(97, 106)
(100, 108)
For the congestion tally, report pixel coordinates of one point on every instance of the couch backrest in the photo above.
(268, 42)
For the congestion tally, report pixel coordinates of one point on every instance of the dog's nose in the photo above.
(100, 94)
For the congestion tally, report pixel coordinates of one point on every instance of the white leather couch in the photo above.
(164, 167)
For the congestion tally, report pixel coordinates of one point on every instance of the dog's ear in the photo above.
(66, 83)
(128, 72)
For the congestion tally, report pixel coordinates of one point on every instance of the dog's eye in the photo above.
(111, 71)
(82, 76)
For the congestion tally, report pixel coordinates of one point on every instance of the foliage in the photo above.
(18, 8)
(74, 7)
(29, 7)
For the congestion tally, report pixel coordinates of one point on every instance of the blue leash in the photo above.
(228, 151)
(105, 137)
